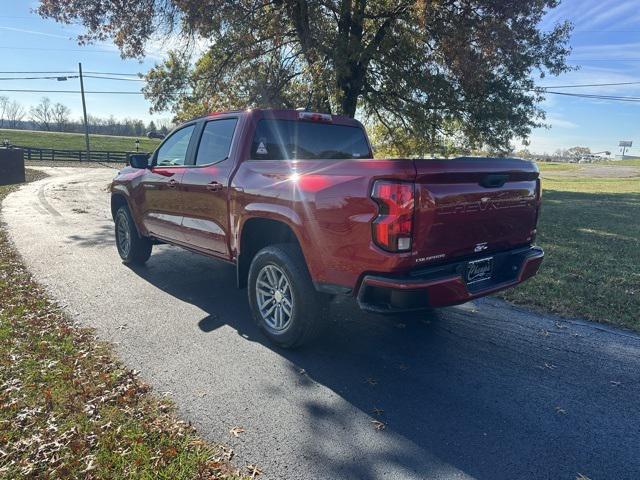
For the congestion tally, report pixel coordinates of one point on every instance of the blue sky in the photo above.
(606, 46)
(30, 43)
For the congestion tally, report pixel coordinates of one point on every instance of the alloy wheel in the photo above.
(274, 298)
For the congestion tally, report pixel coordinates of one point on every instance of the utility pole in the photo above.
(84, 111)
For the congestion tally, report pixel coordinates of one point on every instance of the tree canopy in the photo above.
(425, 69)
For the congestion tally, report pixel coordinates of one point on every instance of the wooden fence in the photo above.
(58, 155)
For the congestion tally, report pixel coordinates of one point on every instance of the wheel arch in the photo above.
(257, 233)
(120, 199)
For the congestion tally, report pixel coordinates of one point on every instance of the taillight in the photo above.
(393, 226)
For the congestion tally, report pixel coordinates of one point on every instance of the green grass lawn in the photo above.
(590, 230)
(75, 141)
(70, 409)
(626, 163)
(549, 167)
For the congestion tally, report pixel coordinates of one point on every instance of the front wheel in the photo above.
(283, 300)
(132, 248)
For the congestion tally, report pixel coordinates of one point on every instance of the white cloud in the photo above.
(34, 32)
(600, 16)
(556, 121)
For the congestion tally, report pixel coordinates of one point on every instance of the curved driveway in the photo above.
(482, 391)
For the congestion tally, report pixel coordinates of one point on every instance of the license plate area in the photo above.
(479, 270)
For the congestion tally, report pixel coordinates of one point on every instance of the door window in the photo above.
(173, 152)
(215, 142)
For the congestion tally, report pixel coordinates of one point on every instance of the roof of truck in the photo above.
(287, 114)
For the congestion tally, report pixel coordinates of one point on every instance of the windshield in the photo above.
(291, 140)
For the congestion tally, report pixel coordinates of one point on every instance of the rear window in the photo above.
(291, 140)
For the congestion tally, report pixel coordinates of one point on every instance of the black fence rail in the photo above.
(58, 155)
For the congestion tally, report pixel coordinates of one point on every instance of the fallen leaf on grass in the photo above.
(378, 425)
(236, 431)
(91, 465)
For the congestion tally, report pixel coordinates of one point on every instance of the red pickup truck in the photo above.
(296, 201)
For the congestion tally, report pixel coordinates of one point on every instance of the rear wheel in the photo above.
(132, 248)
(283, 300)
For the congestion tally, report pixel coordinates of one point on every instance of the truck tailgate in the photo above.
(473, 206)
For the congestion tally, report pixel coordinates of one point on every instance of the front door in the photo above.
(205, 188)
(162, 205)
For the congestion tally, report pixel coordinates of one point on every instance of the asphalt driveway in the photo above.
(483, 391)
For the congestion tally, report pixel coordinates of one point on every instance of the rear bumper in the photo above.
(444, 285)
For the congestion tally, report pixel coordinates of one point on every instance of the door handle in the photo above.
(214, 186)
(172, 183)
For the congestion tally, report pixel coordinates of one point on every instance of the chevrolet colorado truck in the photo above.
(296, 201)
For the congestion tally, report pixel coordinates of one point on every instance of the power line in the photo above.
(112, 78)
(581, 85)
(70, 91)
(75, 71)
(597, 97)
(65, 77)
(58, 77)
(33, 73)
(116, 73)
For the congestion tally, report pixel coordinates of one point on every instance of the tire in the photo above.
(132, 248)
(295, 313)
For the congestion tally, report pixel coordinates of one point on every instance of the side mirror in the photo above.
(139, 160)
(154, 134)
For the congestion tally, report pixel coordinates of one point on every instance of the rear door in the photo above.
(205, 184)
(162, 204)
(473, 206)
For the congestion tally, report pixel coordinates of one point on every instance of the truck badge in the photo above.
(480, 247)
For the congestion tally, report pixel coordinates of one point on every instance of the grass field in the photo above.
(590, 230)
(626, 163)
(549, 167)
(69, 409)
(75, 141)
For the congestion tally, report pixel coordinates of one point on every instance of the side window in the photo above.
(174, 150)
(216, 141)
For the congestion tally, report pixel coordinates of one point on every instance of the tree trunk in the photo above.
(350, 84)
